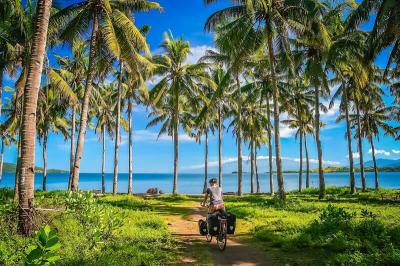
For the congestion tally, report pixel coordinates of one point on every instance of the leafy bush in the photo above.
(44, 250)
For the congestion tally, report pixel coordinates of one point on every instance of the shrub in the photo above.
(44, 250)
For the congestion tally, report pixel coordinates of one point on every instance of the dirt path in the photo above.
(237, 252)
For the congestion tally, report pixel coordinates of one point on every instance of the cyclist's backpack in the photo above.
(202, 227)
(231, 222)
(214, 225)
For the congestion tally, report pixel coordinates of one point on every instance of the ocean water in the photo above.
(193, 183)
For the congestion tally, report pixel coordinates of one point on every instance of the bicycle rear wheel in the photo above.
(222, 238)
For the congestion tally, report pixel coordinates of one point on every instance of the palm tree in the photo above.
(384, 33)
(135, 91)
(110, 20)
(105, 123)
(50, 117)
(275, 17)
(298, 105)
(178, 85)
(69, 79)
(31, 91)
(223, 83)
(323, 25)
(374, 117)
(254, 121)
(205, 120)
(235, 40)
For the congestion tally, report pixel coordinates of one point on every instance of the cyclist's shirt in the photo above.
(215, 195)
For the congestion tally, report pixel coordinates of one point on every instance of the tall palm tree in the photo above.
(298, 105)
(384, 33)
(109, 20)
(51, 111)
(69, 77)
(205, 121)
(31, 91)
(375, 117)
(134, 91)
(323, 25)
(276, 17)
(254, 121)
(235, 40)
(105, 123)
(179, 84)
(223, 83)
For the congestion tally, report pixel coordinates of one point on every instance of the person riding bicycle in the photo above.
(214, 192)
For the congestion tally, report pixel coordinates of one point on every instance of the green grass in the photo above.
(292, 232)
(131, 233)
(343, 229)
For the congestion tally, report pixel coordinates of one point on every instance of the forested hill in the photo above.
(10, 168)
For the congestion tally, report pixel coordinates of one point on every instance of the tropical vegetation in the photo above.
(275, 63)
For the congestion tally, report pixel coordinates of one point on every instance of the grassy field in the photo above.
(362, 229)
(106, 231)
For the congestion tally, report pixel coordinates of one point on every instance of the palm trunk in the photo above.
(1, 159)
(307, 162)
(251, 166)
(219, 147)
(117, 132)
(176, 141)
(31, 91)
(239, 139)
(360, 150)
(301, 162)
(271, 174)
(256, 168)
(103, 160)
(319, 146)
(275, 95)
(1, 87)
(85, 104)
(349, 144)
(371, 141)
(71, 153)
(130, 146)
(44, 162)
(17, 172)
(205, 162)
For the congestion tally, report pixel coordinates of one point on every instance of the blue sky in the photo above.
(186, 19)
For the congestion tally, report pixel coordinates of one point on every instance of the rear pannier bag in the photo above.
(214, 224)
(231, 223)
(202, 227)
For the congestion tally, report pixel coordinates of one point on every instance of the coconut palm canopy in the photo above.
(79, 78)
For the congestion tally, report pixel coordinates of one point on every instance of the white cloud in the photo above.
(356, 155)
(286, 132)
(396, 151)
(377, 151)
(196, 52)
(259, 158)
(146, 135)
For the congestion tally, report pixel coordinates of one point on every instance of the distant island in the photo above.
(332, 169)
(11, 167)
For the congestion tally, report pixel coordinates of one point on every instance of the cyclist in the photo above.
(214, 192)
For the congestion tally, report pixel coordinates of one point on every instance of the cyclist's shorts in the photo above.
(218, 207)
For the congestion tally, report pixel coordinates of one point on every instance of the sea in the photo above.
(193, 183)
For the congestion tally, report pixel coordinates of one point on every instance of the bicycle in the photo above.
(222, 236)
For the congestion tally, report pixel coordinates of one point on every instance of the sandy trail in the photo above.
(236, 253)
